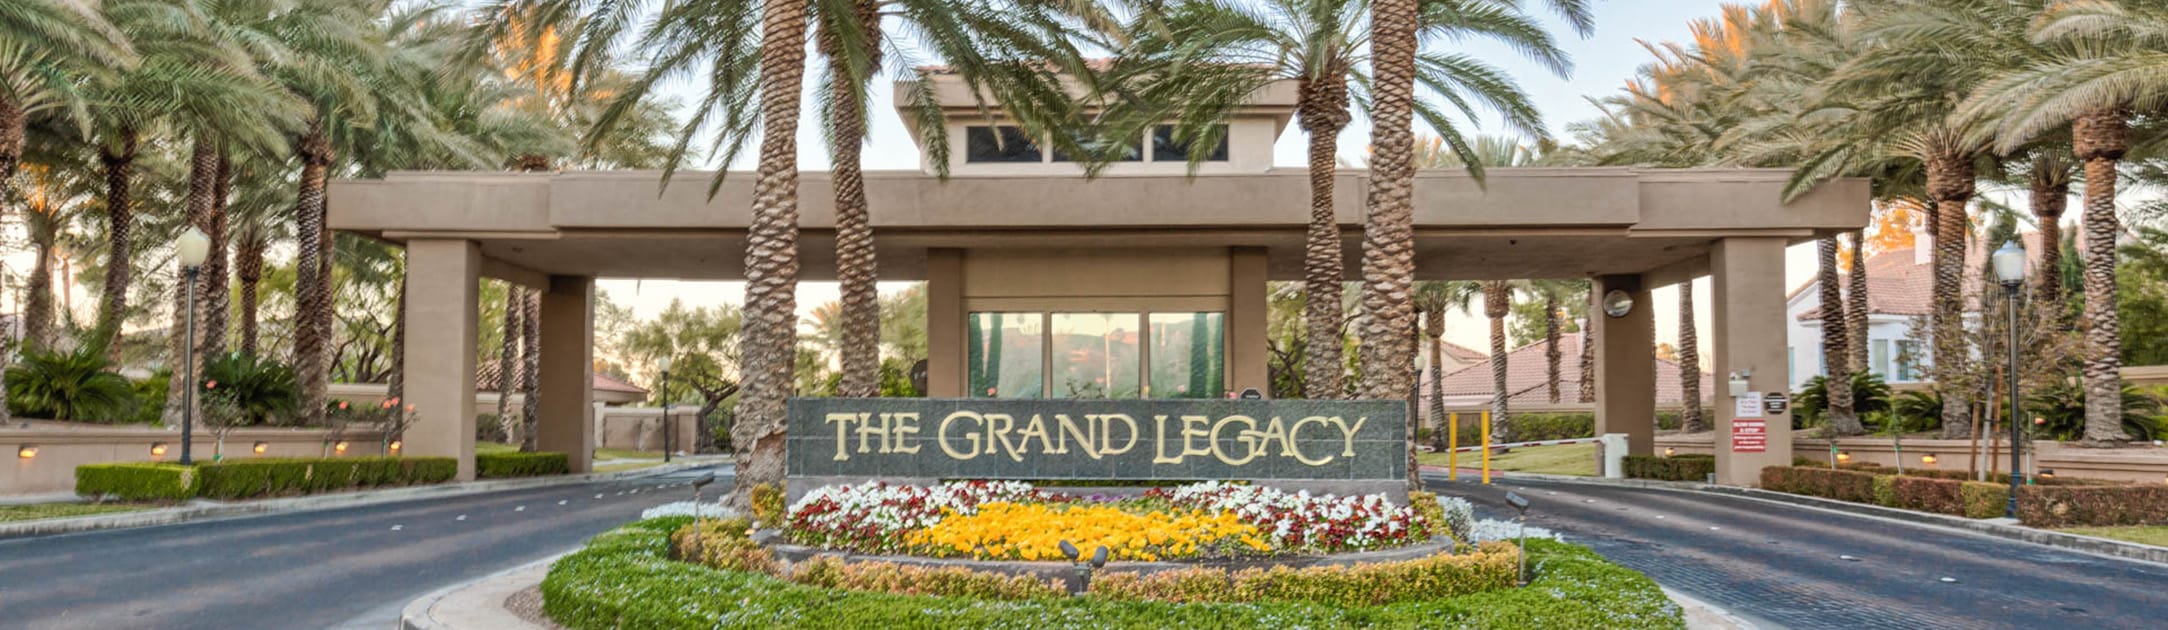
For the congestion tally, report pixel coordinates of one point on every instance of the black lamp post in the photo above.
(2009, 265)
(668, 427)
(192, 248)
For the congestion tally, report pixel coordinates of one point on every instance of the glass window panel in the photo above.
(1166, 149)
(1132, 152)
(981, 145)
(1095, 355)
(1006, 357)
(1188, 355)
(1908, 360)
(1879, 356)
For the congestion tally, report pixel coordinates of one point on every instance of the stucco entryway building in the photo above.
(1077, 277)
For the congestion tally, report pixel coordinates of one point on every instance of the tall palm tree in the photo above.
(1855, 303)
(1497, 304)
(1434, 299)
(530, 359)
(1554, 295)
(45, 46)
(507, 360)
(1836, 350)
(2103, 62)
(1205, 58)
(1691, 419)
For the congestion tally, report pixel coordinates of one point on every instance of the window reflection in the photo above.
(1188, 355)
(1095, 355)
(1006, 355)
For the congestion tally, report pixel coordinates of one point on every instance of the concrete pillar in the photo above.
(1247, 357)
(945, 323)
(1625, 364)
(1747, 275)
(442, 288)
(566, 380)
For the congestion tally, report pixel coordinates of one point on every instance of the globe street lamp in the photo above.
(667, 427)
(192, 248)
(2009, 265)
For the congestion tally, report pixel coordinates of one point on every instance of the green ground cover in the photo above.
(2156, 535)
(37, 511)
(1564, 459)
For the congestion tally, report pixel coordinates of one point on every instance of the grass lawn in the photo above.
(2156, 535)
(35, 511)
(493, 447)
(608, 468)
(606, 454)
(1564, 459)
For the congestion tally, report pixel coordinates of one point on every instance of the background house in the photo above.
(1900, 290)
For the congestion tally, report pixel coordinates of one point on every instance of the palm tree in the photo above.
(1434, 299)
(1205, 58)
(507, 354)
(1690, 416)
(1554, 294)
(2102, 62)
(49, 44)
(1836, 351)
(530, 359)
(1855, 303)
(1497, 304)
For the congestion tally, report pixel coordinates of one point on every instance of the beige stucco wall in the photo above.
(2143, 465)
(640, 428)
(63, 446)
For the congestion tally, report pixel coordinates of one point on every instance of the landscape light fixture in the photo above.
(261, 447)
(2047, 473)
(1520, 506)
(1928, 459)
(1668, 451)
(339, 447)
(26, 451)
(395, 445)
(668, 428)
(1617, 303)
(192, 248)
(1844, 457)
(158, 449)
(2009, 264)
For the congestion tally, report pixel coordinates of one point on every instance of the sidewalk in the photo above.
(1998, 528)
(206, 509)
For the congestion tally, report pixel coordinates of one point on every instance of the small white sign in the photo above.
(1747, 405)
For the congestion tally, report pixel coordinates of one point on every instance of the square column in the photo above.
(1625, 364)
(566, 379)
(1248, 358)
(1747, 275)
(944, 323)
(441, 305)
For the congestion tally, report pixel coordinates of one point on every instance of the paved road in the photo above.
(348, 567)
(1783, 565)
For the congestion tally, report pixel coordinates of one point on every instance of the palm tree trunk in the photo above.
(1434, 328)
(43, 222)
(1388, 362)
(1497, 303)
(118, 157)
(1950, 184)
(507, 367)
(1855, 303)
(2050, 196)
(530, 354)
(856, 266)
(312, 280)
(1836, 350)
(202, 186)
(1588, 352)
(1323, 112)
(2100, 138)
(1551, 351)
(1691, 419)
(771, 258)
(248, 268)
(395, 383)
(216, 299)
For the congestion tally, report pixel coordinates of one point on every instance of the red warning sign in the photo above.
(1749, 435)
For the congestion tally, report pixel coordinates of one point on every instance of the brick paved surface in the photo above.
(1785, 566)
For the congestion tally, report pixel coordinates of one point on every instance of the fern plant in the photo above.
(257, 390)
(69, 385)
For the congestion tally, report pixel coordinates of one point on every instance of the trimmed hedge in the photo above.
(624, 579)
(501, 465)
(1842, 485)
(1495, 566)
(2093, 506)
(253, 478)
(1673, 468)
(135, 481)
(1969, 499)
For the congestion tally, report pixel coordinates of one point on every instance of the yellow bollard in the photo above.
(1452, 447)
(1486, 447)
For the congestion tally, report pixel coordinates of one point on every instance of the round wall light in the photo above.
(1617, 303)
(340, 447)
(158, 449)
(1927, 459)
(261, 447)
(26, 451)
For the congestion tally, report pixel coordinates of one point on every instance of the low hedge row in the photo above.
(1842, 485)
(1495, 566)
(625, 579)
(252, 478)
(2093, 506)
(135, 481)
(502, 465)
(1673, 468)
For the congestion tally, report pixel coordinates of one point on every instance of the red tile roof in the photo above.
(1527, 376)
(1897, 285)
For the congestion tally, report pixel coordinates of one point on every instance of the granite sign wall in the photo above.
(916, 440)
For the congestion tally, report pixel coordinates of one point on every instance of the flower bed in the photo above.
(1015, 521)
(626, 579)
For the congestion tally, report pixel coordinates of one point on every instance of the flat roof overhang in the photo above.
(1521, 223)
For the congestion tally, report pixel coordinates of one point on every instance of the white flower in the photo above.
(1493, 529)
(688, 508)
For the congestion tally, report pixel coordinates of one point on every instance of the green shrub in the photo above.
(1496, 566)
(1885, 491)
(2093, 506)
(1983, 500)
(1674, 468)
(622, 579)
(1870, 394)
(903, 579)
(2062, 404)
(1925, 494)
(1842, 485)
(768, 504)
(74, 385)
(135, 481)
(260, 390)
(150, 397)
(270, 477)
(501, 465)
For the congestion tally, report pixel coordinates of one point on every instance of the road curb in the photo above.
(1701, 615)
(2073, 542)
(204, 509)
(476, 604)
